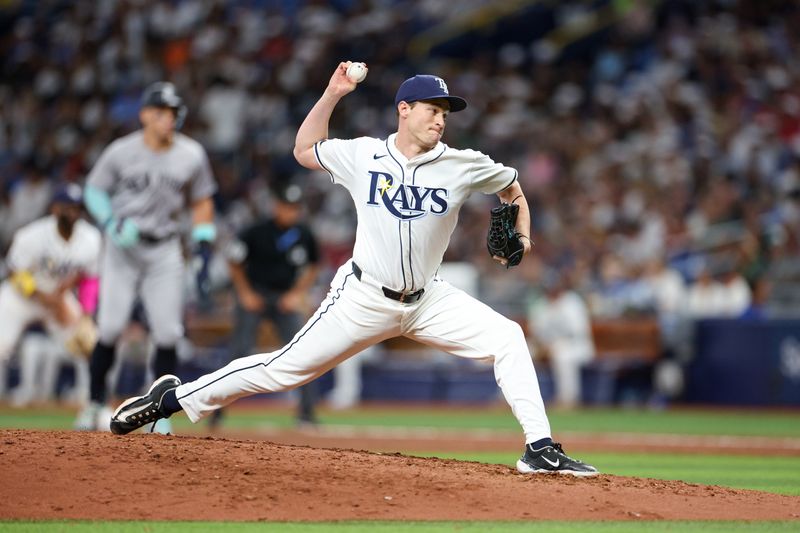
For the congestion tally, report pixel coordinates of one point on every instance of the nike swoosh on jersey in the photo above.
(376, 156)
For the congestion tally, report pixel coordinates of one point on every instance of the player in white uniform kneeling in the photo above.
(49, 258)
(407, 190)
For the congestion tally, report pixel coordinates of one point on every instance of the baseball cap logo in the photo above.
(427, 87)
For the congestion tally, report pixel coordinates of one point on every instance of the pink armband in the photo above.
(88, 288)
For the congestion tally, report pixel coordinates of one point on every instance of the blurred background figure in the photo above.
(40, 362)
(561, 333)
(757, 309)
(346, 391)
(668, 290)
(28, 200)
(53, 264)
(273, 265)
(142, 188)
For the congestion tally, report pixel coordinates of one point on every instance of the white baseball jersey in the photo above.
(407, 208)
(40, 249)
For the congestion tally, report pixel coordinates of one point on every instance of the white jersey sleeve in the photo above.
(338, 158)
(489, 177)
(23, 252)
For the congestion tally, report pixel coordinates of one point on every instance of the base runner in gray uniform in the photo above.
(139, 187)
(407, 190)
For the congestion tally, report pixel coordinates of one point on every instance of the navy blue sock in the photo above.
(169, 403)
(101, 362)
(541, 443)
(165, 361)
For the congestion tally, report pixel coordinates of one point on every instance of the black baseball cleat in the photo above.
(140, 410)
(552, 460)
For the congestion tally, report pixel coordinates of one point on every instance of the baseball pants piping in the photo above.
(355, 315)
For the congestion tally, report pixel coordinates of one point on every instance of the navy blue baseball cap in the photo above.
(70, 193)
(427, 87)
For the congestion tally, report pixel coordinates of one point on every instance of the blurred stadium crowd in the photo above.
(658, 142)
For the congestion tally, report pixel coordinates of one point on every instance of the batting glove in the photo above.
(123, 232)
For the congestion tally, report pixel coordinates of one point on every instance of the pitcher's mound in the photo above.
(58, 475)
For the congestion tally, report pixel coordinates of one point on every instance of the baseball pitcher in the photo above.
(140, 186)
(407, 189)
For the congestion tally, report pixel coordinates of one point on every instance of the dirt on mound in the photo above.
(69, 475)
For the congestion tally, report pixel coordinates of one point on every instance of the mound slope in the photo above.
(69, 475)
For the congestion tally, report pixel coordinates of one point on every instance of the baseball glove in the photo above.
(83, 338)
(503, 239)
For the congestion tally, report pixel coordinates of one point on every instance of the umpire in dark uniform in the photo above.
(273, 264)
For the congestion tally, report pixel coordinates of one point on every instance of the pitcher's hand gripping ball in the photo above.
(357, 72)
(503, 239)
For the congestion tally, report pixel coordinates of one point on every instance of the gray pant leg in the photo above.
(118, 279)
(162, 292)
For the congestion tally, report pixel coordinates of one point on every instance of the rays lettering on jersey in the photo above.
(56, 269)
(406, 202)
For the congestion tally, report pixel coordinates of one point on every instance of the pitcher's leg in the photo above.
(331, 335)
(453, 321)
(288, 323)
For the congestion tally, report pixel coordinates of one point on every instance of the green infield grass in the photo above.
(250, 415)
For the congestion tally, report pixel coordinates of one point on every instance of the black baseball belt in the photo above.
(147, 238)
(402, 297)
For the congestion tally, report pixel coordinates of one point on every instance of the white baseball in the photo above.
(357, 72)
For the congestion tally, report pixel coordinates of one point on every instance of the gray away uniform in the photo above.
(153, 189)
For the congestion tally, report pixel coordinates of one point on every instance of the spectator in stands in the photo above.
(669, 301)
(705, 298)
(758, 307)
(562, 333)
(28, 200)
(736, 293)
(725, 295)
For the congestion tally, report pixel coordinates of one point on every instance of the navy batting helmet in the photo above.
(163, 94)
